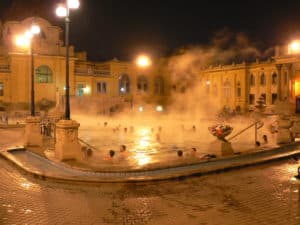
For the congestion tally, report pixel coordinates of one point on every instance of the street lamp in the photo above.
(64, 11)
(143, 61)
(26, 41)
(294, 47)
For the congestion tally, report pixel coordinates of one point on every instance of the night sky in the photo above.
(122, 29)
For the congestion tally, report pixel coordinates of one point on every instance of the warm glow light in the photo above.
(87, 90)
(35, 29)
(141, 108)
(122, 89)
(73, 4)
(208, 82)
(143, 143)
(28, 34)
(294, 47)
(22, 41)
(142, 159)
(25, 185)
(144, 132)
(297, 88)
(61, 11)
(143, 61)
(159, 108)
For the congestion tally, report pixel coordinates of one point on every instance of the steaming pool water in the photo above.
(157, 140)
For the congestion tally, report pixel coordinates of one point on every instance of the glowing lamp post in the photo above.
(294, 47)
(64, 11)
(26, 41)
(143, 61)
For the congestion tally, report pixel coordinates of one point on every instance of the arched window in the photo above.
(263, 79)
(226, 87)
(238, 89)
(159, 85)
(274, 78)
(44, 74)
(142, 84)
(252, 80)
(124, 84)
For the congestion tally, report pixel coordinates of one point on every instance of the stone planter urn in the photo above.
(221, 131)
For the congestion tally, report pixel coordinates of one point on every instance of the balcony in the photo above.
(92, 72)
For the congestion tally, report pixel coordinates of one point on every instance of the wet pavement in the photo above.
(265, 194)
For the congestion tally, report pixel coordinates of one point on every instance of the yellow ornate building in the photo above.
(113, 83)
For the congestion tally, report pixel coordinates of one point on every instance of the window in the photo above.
(101, 87)
(274, 78)
(80, 89)
(238, 90)
(264, 97)
(251, 99)
(142, 84)
(226, 87)
(252, 80)
(274, 98)
(215, 90)
(43, 74)
(262, 79)
(124, 84)
(1, 89)
(159, 85)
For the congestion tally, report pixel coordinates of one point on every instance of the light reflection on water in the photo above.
(147, 143)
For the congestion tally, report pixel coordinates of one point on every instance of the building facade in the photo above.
(113, 83)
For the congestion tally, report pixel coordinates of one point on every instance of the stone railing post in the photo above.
(67, 145)
(33, 136)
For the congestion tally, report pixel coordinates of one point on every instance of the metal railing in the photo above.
(257, 125)
(87, 144)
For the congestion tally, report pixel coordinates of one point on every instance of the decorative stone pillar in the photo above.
(67, 145)
(33, 136)
(226, 149)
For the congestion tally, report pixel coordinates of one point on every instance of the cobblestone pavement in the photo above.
(265, 194)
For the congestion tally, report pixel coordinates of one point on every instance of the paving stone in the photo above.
(260, 195)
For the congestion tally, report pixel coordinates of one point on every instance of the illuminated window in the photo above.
(124, 84)
(1, 89)
(142, 83)
(43, 74)
(252, 80)
(101, 87)
(80, 89)
(274, 78)
(262, 79)
(159, 88)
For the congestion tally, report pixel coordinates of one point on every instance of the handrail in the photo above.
(87, 144)
(258, 124)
